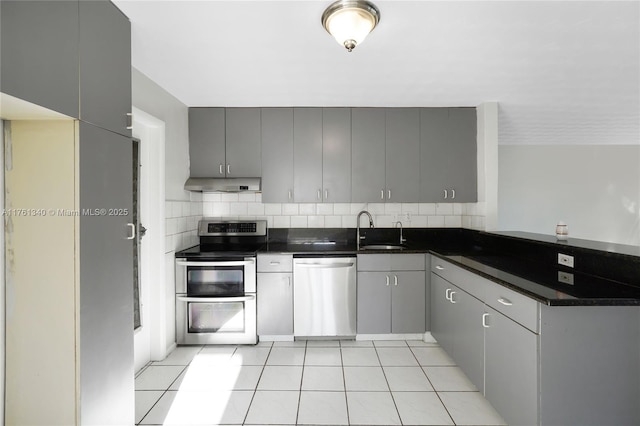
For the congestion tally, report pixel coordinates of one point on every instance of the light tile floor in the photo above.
(314, 382)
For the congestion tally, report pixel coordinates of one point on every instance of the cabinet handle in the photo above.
(274, 263)
(221, 170)
(387, 280)
(395, 280)
(289, 281)
(451, 298)
(290, 195)
(382, 194)
(439, 268)
(326, 194)
(446, 194)
(129, 121)
(447, 294)
(389, 193)
(505, 302)
(132, 228)
(228, 169)
(319, 194)
(453, 193)
(484, 320)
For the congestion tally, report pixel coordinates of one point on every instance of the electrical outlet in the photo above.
(565, 260)
(565, 277)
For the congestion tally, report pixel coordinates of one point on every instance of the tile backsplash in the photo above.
(343, 215)
(181, 222)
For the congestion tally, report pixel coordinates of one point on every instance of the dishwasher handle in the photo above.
(326, 265)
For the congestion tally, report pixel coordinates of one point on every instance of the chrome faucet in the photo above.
(358, 237)
(402, 240)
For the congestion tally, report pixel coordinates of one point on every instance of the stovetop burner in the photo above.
(233, 238)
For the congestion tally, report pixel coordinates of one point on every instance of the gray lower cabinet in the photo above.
(275, 303)
(243, 144)
(402, 155)
(274, 292)
(391, 294)
(456, 326)
(511, 369)
(542, 365)
(448, 155)
(39, 48)
(105, 66)
(277, 155)
(368, 178)
(207, 142)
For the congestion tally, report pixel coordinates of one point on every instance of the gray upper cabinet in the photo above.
(448, 155)
(402, 155)
(207, 142)
(105, 66)
(336, 155)
(368, 178)
(277, 155)
(225, 142)
(307, 155)
(243, 142)
(39, 48)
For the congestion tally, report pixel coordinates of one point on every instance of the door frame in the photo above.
(150, 339)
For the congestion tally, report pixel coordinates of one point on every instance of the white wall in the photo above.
(2, 281)
(595, 189)
(158, 103)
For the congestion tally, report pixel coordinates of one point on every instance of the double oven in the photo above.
(216, 284)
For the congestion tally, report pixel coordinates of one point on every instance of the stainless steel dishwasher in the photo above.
(324, 294)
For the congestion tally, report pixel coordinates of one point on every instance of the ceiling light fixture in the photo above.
(350, 21)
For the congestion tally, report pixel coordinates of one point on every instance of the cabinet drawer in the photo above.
(275, 263)
(407, 262)
(516, 306)
(374, 262)
(466, 280)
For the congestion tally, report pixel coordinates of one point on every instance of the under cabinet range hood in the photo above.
(223, 184)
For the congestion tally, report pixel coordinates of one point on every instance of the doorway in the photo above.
(149, 337)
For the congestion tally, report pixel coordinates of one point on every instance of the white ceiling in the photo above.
(560, 56)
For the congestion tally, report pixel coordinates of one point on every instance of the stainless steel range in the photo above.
(216, 283)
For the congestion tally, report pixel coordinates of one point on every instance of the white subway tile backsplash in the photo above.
(229, 197)
(383, 221)
(324, 209)
(273, 209)
(221, 209)
(444, 209)
(457, 208)
(315, 221)
(282, 221)
(466, 222)
(418, 221)
(195, 196)
(435, 221)
(413, 208)
(341, 209)
(392, 208)
(358, 207)
(207, 209)
(211, 196)
(299, 221)
(249, 197)
(453, 221)
(349, 221)
(258, 197)
(373, 208)
(290, 209)
(256, 209)
(427, 209)
(239, 208)
(333, 222)
(307, 209)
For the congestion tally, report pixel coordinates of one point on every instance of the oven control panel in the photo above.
(210, 227)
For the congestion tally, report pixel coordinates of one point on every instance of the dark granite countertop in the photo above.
(523, 262)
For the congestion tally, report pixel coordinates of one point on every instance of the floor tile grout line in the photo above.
(304, 359)
(344, 384)
(255, 390)
(431, 383)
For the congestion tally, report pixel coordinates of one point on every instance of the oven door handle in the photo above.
(231, 263)
(216, 299)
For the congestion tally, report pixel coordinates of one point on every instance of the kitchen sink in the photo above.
(382, 247)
